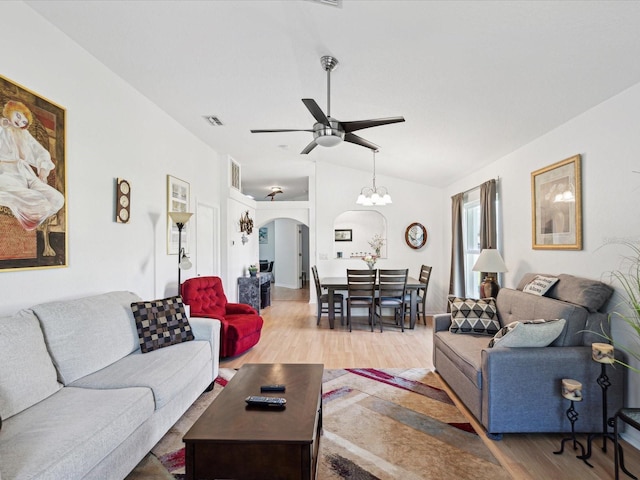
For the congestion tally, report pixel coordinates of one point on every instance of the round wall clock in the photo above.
(416, 235)
(123, 200)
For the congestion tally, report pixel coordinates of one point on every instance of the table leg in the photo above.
(332, 310)
(414, 308)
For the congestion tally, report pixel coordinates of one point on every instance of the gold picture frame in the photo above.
(556, 201)
(33, 212)
(178, 192)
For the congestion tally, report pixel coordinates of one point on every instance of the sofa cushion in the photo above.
(27, 374)
(161, 323)
(540, 285)
(528, 333)
(591, 294)
(469, 315)
(516, 305)
(166, 371)
(80, 333)
(69, 433)
(464, 351)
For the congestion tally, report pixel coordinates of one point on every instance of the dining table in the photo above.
(334, 284)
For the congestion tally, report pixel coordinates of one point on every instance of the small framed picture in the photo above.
(343, 235)
(263, 235)
(557, 206)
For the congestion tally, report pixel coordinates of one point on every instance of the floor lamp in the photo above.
(181, 219)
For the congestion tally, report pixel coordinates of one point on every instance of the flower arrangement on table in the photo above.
(253, 269)
(370, 260)
(377, 242)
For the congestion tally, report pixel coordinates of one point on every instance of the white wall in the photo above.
(112, 131)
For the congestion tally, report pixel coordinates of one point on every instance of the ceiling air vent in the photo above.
(213, 120)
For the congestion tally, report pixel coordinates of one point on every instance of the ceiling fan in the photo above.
(327, 131)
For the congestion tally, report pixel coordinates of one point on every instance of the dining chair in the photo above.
(361, 290)
(425, 275)
(323, 299)
(392, 290)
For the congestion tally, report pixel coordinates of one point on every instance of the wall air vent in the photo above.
(213, 120)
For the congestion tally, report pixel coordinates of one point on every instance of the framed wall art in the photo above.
(557, 206)
(263, 235)
(344, 235)
(33, 187)
(177, 201)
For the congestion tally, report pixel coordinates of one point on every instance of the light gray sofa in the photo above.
(77, 397)
(518, 389)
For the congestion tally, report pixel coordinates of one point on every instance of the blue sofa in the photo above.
(517, 390)
(78, 399)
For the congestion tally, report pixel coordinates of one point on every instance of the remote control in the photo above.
(272, 388)
(266, 401)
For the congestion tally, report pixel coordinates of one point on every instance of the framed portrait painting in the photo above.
(177, 201)
(557, 206)
(33, 187)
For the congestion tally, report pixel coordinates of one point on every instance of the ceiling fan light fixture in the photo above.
(328, 135)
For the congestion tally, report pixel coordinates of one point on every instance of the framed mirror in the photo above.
(354, 229)
(415, 235)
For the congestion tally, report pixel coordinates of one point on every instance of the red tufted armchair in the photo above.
(240, 324)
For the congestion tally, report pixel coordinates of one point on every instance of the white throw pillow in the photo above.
(528, 333)
(540, 285)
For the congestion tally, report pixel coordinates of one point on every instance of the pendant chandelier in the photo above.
(370, 196)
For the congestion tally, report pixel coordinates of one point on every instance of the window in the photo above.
(471, 229)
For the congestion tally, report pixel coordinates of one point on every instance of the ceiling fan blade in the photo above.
(316, 111)
(352, 138)
(282, 130)
(309, 147)
(376, 122)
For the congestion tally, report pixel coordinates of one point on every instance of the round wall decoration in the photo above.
(416, 235)
(123, 200)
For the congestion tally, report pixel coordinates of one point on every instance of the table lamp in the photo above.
(490, 262)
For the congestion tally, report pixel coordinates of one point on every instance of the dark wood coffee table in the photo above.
(231, 440)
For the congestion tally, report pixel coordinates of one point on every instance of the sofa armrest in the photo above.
(441, 322)
(208, 329)
(239, 308)
(521, 388)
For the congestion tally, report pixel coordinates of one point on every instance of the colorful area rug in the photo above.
(378, 424)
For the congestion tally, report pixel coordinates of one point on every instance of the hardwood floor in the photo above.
(290, 335)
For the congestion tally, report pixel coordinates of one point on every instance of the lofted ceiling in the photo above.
(475, 80)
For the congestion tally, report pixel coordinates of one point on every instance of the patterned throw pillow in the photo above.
(528, 333)
(161, 323)
(540, 285)
(469, 315)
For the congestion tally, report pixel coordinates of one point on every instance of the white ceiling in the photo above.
(474, 80)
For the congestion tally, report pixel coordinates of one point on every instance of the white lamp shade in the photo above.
(490, 261)
(180, 217)
(328, 140)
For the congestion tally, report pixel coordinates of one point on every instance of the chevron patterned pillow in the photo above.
(477, 316)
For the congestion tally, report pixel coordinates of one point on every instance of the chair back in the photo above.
(316, 279)
(392, 284)
(425, 274)
(361, 283)
(205, 295)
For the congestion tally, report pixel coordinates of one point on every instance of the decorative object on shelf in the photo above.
(345, 235)
(415, 235)
(246, 224)
(377, 242)
(378, 196)
(572, 390)
(181, 219)
(123, 200)
(370, 260)
(557, 206)
(253, 270)
(490, 261)
(33, 203)
(177, 201)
